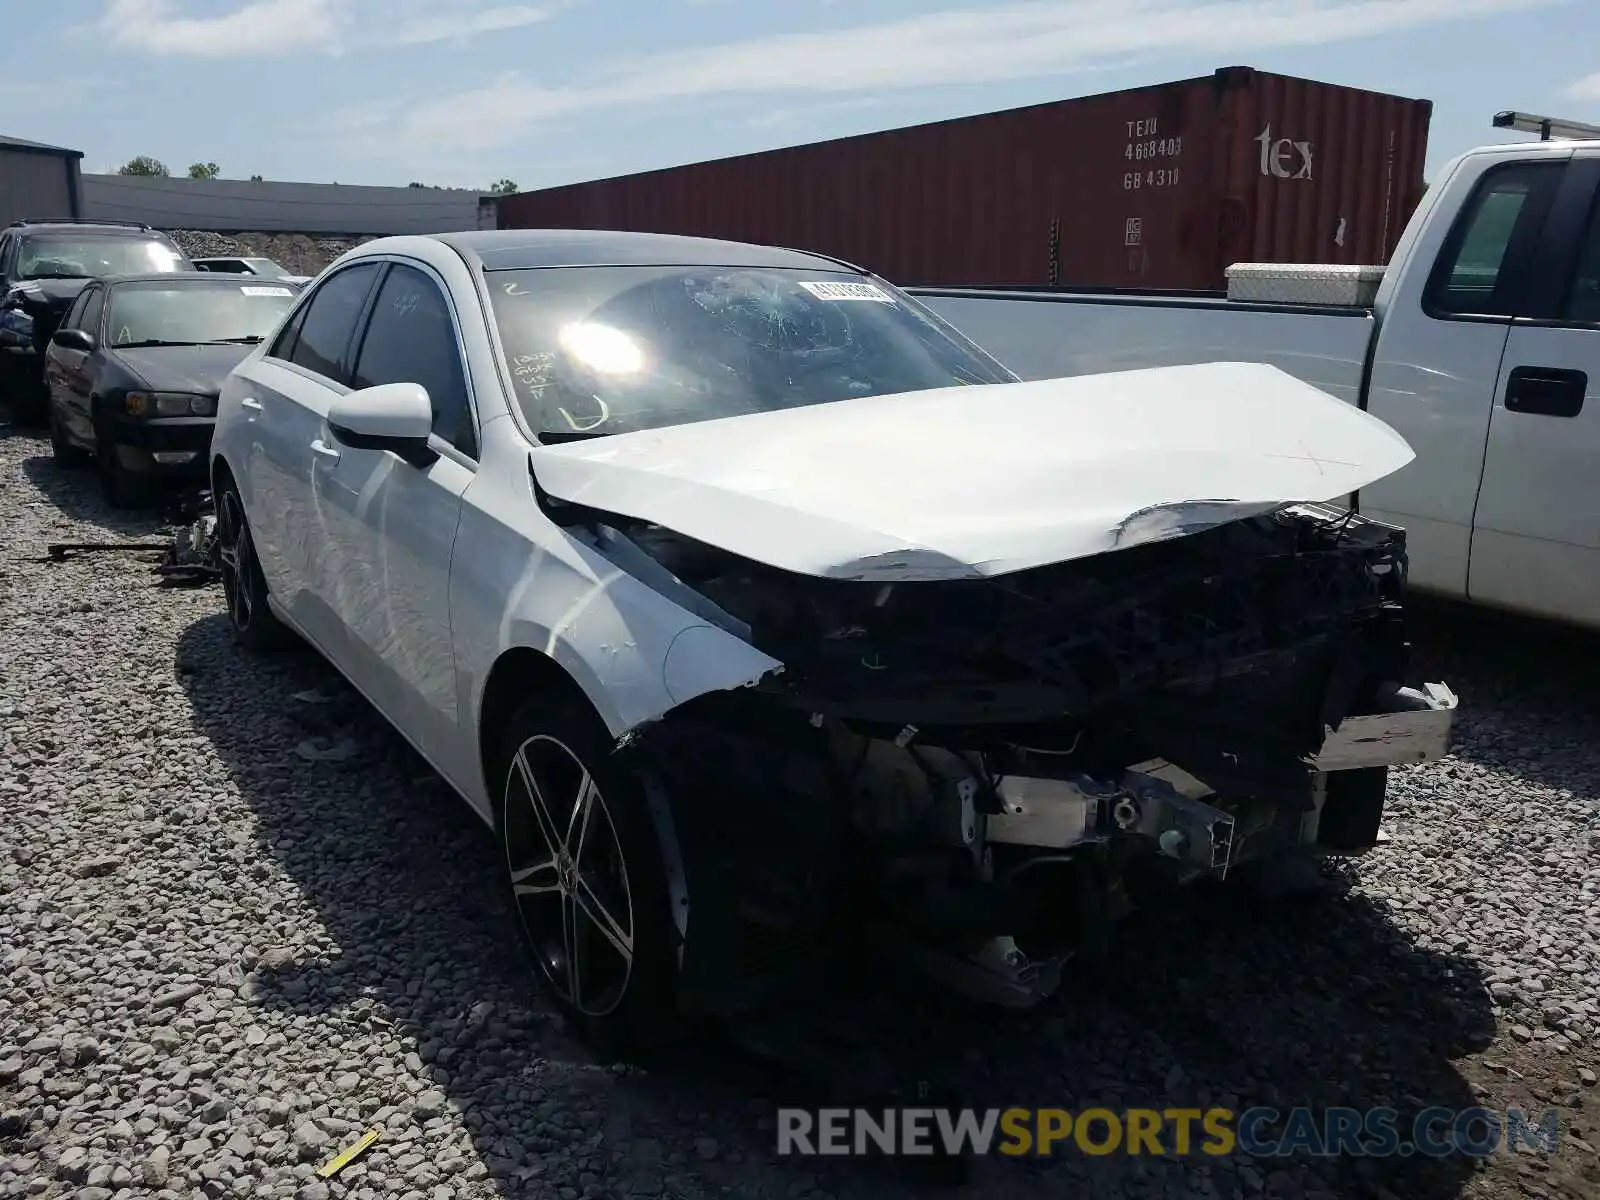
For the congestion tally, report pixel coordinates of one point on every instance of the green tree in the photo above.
(503, 187)
(144, 165)
(205, 170)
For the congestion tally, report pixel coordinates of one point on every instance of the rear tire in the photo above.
(63, 451)
(586, 877)
(243, 585)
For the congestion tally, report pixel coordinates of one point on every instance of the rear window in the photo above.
(601, 350)
(85, 257)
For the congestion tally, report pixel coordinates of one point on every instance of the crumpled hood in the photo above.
(49, 295)
(969, 482)
(197, 369)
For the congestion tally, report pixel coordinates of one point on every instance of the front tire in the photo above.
(243, 585)
(586, 877)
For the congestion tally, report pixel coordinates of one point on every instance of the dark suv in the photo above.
(43, 266)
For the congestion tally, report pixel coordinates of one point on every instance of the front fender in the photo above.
(636, 653)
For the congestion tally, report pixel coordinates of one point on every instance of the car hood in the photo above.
(197, 369)
(970, 482)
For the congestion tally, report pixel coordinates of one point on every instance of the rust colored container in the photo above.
(1155, 187)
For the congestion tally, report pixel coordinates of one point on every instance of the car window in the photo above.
(412, 339)
(283, 345)
(94, 305)
(1508, 205)
(70, 321)
(330, 321)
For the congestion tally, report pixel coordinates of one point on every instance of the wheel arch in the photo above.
(221, 474)
(519, 673)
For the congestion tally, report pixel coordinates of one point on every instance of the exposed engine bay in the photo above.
(1010, 763)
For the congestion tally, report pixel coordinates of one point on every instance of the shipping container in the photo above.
(38, 180)
(1154, 187)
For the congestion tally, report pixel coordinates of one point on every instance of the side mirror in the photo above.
(73, 339)
(390, 416)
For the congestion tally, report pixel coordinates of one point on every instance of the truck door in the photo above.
(1441, 342)
(1536, 528)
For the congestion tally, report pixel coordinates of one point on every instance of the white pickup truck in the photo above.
(1481, 348)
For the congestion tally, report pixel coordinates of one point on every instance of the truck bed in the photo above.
(1043, 334)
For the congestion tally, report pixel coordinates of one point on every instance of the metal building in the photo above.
(38, 180)
(271, 206)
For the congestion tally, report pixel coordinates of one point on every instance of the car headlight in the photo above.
(17, 321)
(168, 404)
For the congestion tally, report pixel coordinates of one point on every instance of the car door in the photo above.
(76, 369)
(1536, 528)
(394, 524)
(55, 358)
(285, 396)
(1441, 343)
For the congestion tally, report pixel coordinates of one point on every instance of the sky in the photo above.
(459, 93)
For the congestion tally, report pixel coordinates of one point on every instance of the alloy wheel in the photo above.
(568, 876)
(237, 559)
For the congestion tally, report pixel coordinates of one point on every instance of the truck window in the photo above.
(1582, 303)
(1499, 226)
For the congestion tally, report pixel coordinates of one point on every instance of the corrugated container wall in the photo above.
(1156, 187)
(38, 180)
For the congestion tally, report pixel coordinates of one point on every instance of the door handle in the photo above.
(1546, 391)
(250, 402)
(318, 446)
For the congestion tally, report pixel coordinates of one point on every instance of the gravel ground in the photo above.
(239, 923)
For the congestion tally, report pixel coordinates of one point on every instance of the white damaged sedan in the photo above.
(752, 605)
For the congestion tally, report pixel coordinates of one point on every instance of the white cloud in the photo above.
(1015, 41)
(263, 27)
(1585, 89)
(459, 27)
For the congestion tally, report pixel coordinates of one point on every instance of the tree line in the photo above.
(143, 164)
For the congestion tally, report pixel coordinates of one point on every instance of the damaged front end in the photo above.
(1007, 764)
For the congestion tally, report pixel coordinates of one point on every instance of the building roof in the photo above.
(11, 143)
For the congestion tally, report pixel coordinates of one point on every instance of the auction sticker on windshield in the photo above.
(266, 291)
(848, 291)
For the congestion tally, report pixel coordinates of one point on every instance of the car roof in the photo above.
(81, 227)
(187, 278)
(513, 249)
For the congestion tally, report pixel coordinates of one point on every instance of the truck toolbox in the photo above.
(1155, 187)
(1303, 283)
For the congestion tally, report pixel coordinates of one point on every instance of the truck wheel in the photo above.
(243, 585)
(123, 488)
(586, 877)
